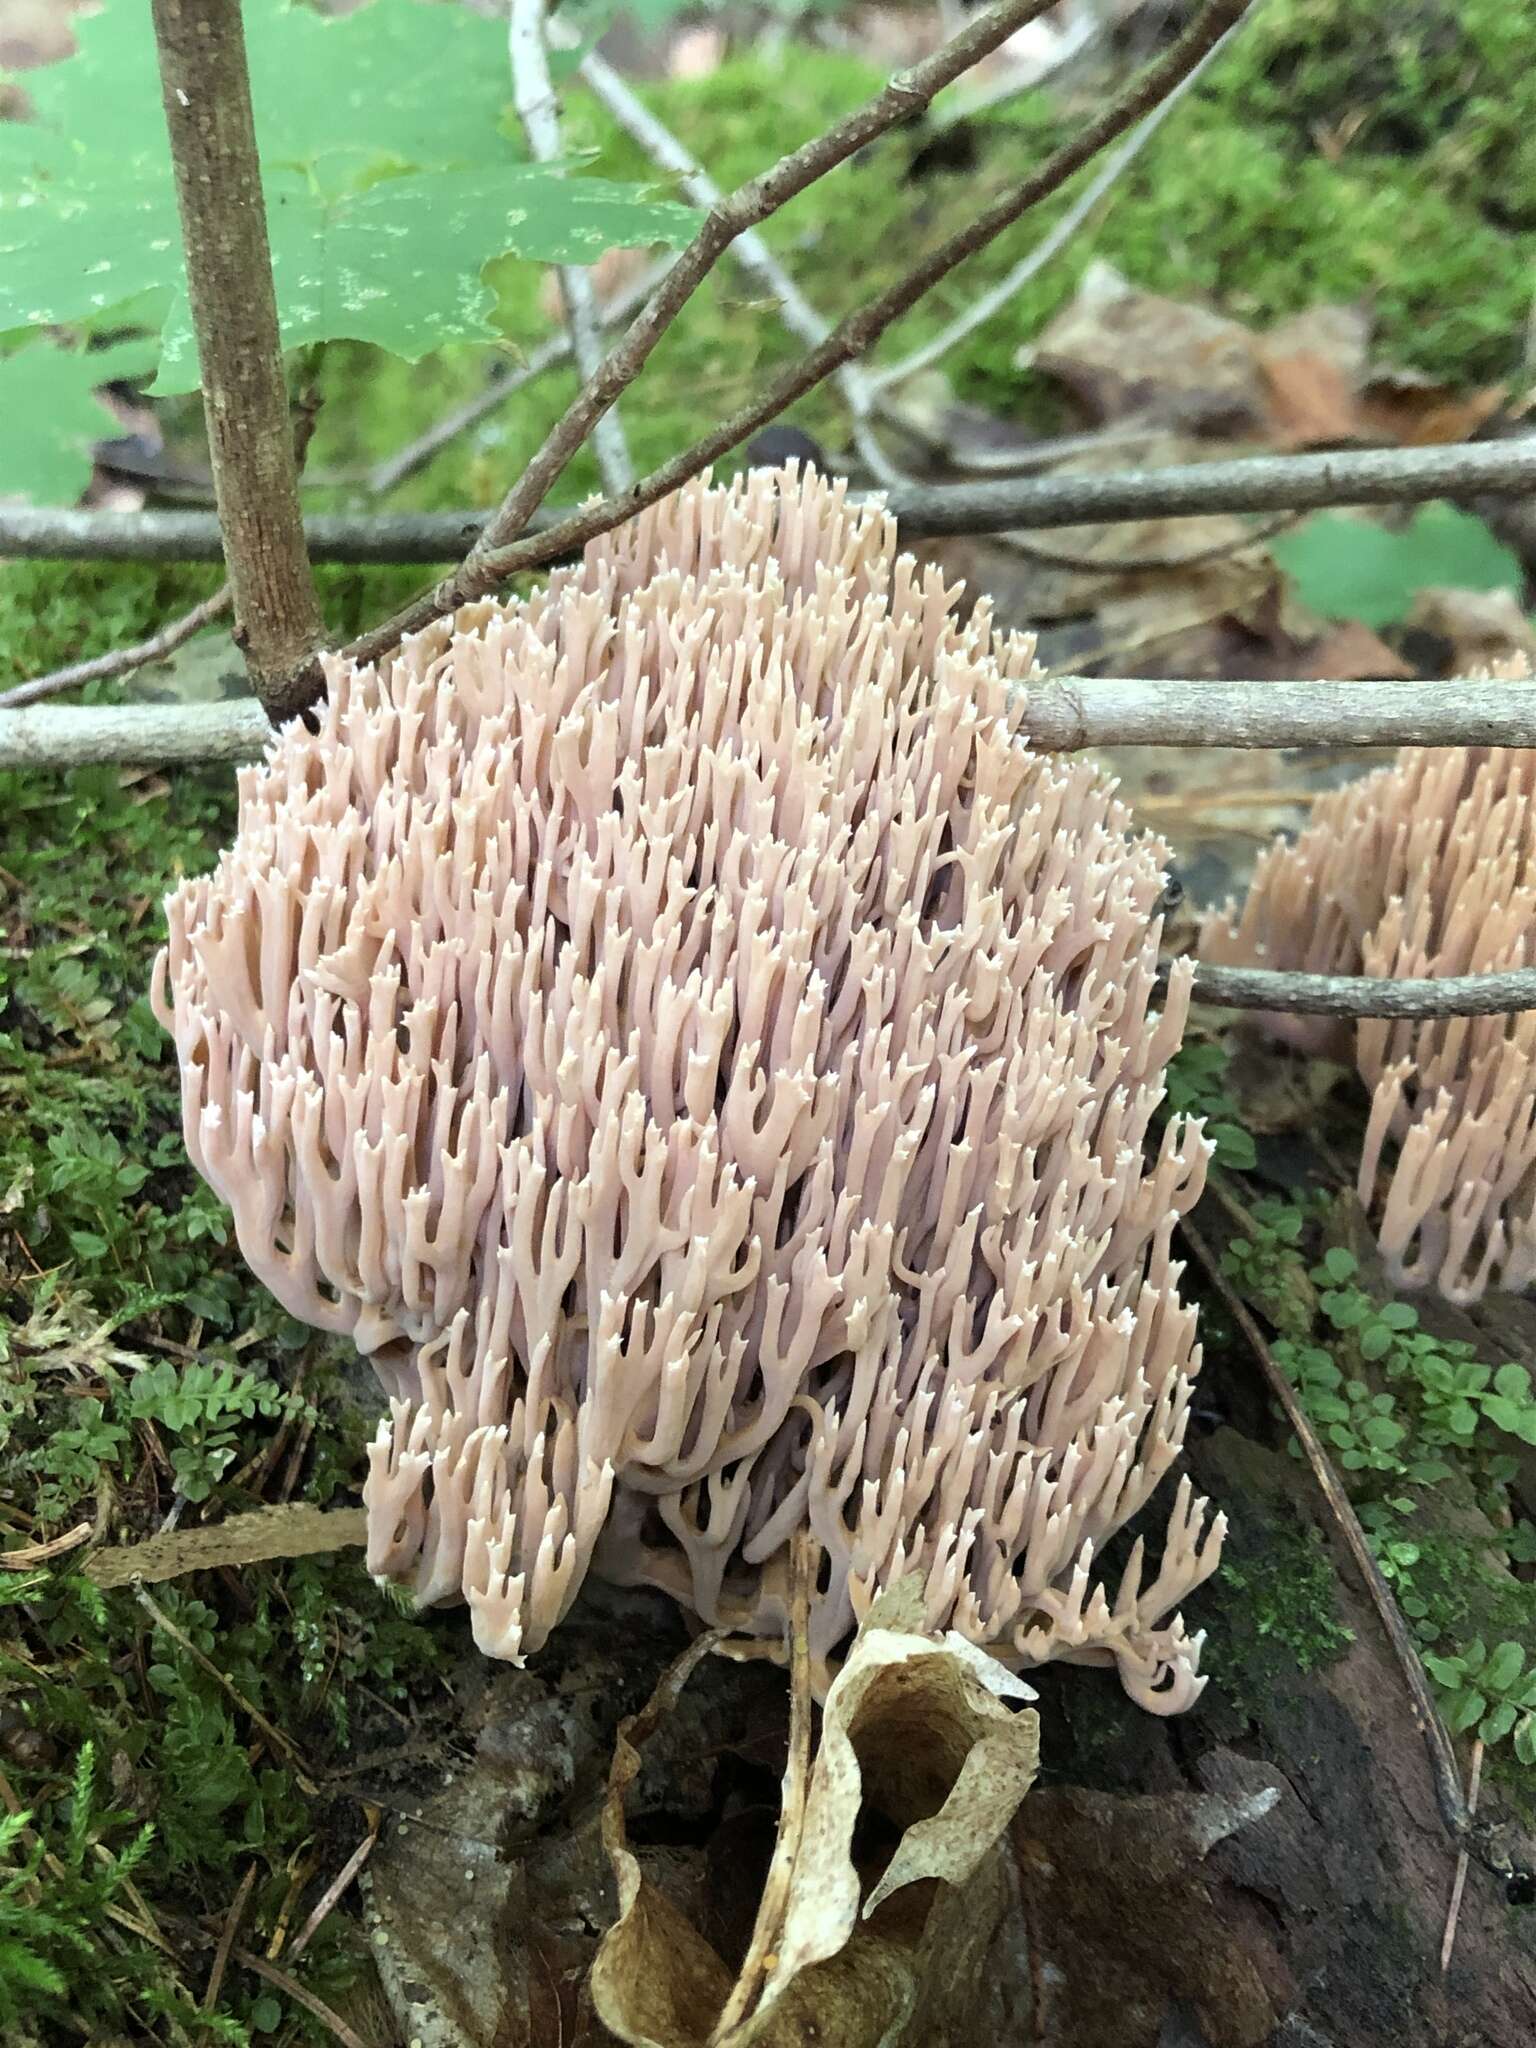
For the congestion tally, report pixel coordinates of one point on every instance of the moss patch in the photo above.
(1271, 1611)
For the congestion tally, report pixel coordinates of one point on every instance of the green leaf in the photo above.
(1234, 1147)
(1464, 1710)
(1375, 1341)
(399, 264)
(1513, 1382)
(1497, 1724)
(1504, 1667)
(1345, 1307)
(1398, 1315)
(1525, 1739)
(1518, 1417)
(1461, 1419)
(51, 415)
(1347, 568)
(1446, 1671)
(1339, 1265)
(390, 183)
(338, 98)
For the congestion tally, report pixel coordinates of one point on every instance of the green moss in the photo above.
(1271, 1610)
(1445, 82)
(138, 1354)
(57, 612)
(1233, 202)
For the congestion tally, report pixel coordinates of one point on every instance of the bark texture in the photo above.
(207, 97)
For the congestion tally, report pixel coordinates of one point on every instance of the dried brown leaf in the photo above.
(1123, 351)
(914, 1730)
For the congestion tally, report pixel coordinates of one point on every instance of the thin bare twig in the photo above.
(496, 555)
(1257, 483)
(232, 1921)
(326, 1904)
(301, 1994)
(1459, 1885)
(549, 355)
(283, 1744)
(1460, 1824)
(906, 94)
(1066, 714)
(981, 310)
(749, 249)
(537, 109)
(1362, 995)
(31, 1555)
(121, 661)
(1075, 40)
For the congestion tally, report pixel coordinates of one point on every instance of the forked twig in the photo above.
(121, 661)
(232, 1921)
(749, 249)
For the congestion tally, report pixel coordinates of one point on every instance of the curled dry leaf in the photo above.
(916, 1734)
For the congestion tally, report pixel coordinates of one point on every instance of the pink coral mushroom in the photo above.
(675, 1029)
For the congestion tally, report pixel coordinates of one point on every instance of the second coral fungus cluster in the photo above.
(1425, 868)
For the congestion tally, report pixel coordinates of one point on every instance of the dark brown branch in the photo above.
(1256, 483)
(207, 96)
(1360, 995)
(497, 555)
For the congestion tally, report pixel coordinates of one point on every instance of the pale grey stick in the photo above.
(537, 109)
(147, 735)
(1071, 712)
(1066, 714)
(1257, 483)
(1250, 483)
(1360, 995)
(201, 734)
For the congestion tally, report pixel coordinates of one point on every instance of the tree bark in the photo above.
(207, 99)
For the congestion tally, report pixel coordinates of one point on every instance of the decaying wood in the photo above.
(289, 1530)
